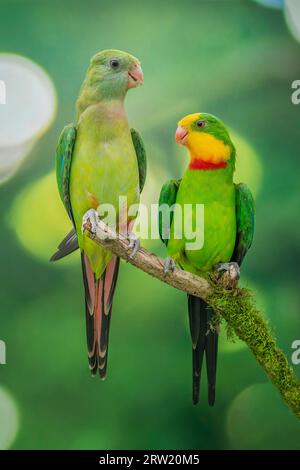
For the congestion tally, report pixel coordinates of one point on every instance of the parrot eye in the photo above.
(114, 63)
(201, 123)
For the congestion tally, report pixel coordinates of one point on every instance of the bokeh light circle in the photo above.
(30, 100)
(248, 167)
(42, 221)
(292, 16)
(11, 158)
(251, 417)
(28, 107)
(9, 422)
(278, 4)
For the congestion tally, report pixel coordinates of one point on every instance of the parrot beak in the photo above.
(181, 135)
(135, 76)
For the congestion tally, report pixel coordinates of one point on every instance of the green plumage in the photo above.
(227, 229)
(219, 220)
(228, 218)
(245, 213)
(168, 195)
(244, 219)
(141, 157)
(105, 146)
(63, 161)
(99, 160)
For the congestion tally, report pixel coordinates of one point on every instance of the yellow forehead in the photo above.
(189, 119)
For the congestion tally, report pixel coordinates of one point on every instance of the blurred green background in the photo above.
(235, 59)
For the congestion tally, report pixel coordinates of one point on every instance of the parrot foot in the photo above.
(169, 265)
(134, 244)
(232, 269)
(90, 221)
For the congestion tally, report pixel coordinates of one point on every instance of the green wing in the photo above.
(141, 156)
(167, 196)
(245, 213)
(63, 161)
(64, 154)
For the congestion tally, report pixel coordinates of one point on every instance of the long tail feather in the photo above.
(98, 305)
(67, 246)
(211, 352)
(197, 319)
(204, 339)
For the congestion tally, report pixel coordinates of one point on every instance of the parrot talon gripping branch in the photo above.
(134, 244)
(232, 268)
(90, 221)
(169, 265)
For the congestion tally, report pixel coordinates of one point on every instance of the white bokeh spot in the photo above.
(29, 109)
(9, 423)
(292, 16)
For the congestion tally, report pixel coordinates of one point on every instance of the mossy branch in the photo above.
(234, 304)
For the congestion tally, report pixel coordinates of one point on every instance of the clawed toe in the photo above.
(90, 221)
(169, 265)
(134, 244)
(231, 268)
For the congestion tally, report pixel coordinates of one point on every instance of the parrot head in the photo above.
(207, 140)
(110, 75)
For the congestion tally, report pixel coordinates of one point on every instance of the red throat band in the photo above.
(197, 164)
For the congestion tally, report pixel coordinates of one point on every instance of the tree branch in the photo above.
(233, 304)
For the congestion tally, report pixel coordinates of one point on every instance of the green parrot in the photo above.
(99, 159)
(227, 228)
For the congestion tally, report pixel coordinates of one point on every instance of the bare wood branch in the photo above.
(150, 263)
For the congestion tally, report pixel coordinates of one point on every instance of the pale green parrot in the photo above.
(98, 160)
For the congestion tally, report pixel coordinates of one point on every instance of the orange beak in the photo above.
(135, 76)
(181, 135)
